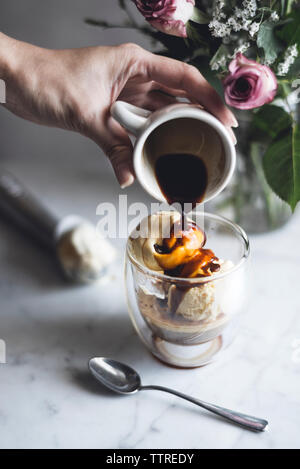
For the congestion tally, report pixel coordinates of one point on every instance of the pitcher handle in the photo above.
(131, 117)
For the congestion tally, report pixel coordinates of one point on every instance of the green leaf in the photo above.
(199, 52)
(269, 122)
(267, 40)
(294, 70)
(281, 165)
(290, 33)
(200, 17)
(286, 6)
(195, 37)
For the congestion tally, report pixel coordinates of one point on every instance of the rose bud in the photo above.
(249, 84)
(168, 16)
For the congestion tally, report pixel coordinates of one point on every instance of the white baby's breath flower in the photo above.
(246, 24)
(242, 48)
(238, 13)
(242, 19)
(236, 26)
(250, 7)
(293, 50)
(221, 62)
(254, 28)
(218, 25)
(274, 16)
(219, 29)
(289, 58)
(218, 12)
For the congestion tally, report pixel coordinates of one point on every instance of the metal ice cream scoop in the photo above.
(82, 254)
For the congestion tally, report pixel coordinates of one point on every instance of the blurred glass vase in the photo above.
(248, 199)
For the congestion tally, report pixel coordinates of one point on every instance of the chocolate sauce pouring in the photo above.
(183, 179)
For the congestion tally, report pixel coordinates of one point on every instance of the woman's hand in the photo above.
(74, 89)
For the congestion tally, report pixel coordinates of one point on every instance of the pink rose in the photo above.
(168, 16)
(249, 84)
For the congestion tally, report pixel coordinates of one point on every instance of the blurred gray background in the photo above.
(69, 172)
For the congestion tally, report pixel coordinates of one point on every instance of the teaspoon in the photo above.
(122, 379)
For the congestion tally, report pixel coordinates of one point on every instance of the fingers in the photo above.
(116, 144)
(170, 91)
(156, 100)
(178, 75)
(120, 156)
(232, 135)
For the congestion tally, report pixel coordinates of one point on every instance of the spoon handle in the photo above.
(252, 423)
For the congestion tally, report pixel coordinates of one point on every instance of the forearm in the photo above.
(12, 52)
(8, 56)
(21, 67)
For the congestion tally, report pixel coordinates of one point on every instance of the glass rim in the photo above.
(198, 280)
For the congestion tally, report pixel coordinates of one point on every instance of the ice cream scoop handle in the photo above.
(252, 423)
(25, 208)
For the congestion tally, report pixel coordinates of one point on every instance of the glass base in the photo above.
(184, 356)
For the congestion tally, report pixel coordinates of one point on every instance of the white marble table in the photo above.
(47, 399)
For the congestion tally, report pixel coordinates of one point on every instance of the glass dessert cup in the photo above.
(186, 322)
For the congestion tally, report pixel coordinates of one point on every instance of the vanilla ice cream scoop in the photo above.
(150, 233)
(198, 303)
(82, 251)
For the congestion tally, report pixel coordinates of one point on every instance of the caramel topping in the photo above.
(182, 255)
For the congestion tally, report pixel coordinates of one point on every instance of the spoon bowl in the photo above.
(115, 375)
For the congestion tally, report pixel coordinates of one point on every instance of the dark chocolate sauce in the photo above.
(182, 178)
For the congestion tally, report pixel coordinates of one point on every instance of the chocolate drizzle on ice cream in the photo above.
(182, 253)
